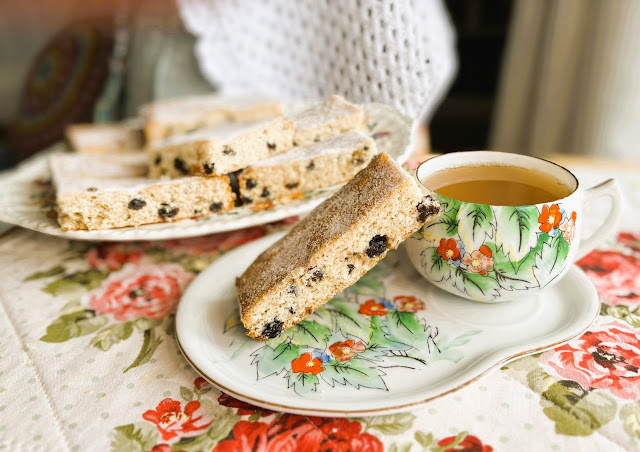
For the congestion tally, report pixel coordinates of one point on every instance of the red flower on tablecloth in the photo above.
(112, 256)
(291, 432)
(606, 357)
(409, 304)
(209, 244)
(568, 227)
(344, 351)
(615, 275)
(244, 408)
(150, 291)
(162, 448)
(448, 249)
(479, 261)
(470, 443)
(372, 308)
(550, 217)
(305, 364)
(172, 421)
(630, 240)
(201, 383)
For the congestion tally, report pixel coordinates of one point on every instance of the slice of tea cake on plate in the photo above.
(220, 149)
(100, 138)
(332, 247)
(112, 191)
(331, 117)
(287, 176)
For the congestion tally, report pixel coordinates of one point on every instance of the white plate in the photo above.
(446, 345)
(25, 203)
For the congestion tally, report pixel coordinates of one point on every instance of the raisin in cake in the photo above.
(100, 138)
(287, 176)
(168, 117)
(220, 149)
(111, 191)
(332, 247)
(331, 117)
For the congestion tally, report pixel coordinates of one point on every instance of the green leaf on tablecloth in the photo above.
(186, 394)
(134, 437)
(105, 338)
(390, 424)
(149, 345)
(75, 324)
(302, 383)
(310, 334)
(255, 416)
(143, 324)
(271, 361)
(424, 439)
(622, 312)
(349, 321)
(630, 415)
(575, 411)
(169, 324)
(81, 281)
(47, 273)
(406, 447)
(223, 421)
(354, 372)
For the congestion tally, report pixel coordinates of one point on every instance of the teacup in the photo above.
(491, 253)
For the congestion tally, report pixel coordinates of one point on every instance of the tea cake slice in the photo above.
(332, 247)
(104, 192)
(287, 176)
(219, 150)
(104, 138)
(332, 117)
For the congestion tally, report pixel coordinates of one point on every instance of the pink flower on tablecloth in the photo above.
(112, 256)
(161, 448)
(150, 291)
(172, 421)
(630, 240)
(244, 408)
(606, 357)
(615, 275)
(209, 244)
(469, 443)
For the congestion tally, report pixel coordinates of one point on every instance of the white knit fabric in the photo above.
(399, 52)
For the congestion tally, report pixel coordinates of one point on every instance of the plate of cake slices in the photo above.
(331, 319)
(199, 165)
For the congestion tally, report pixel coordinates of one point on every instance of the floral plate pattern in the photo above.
(387, 343)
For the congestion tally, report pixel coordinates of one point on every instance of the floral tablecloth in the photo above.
(88, 361)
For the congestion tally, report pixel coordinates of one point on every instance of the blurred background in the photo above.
(533, 76)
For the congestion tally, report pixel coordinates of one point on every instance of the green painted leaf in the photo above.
(444, 226)
(630, 415)
(574, 410)
(434, 265)
(321, 316)
(354, 372)
(233, 321)
(271, 361)
(302, 383)
(391, 424)
(310, 334)
(76, 324)
(475, 284)
(141, 436)
(379, 342)
(368, 285)
(551, 260)
(475, 225)
(404, 327)
(47, 273)
(529, 260)
(186, 394)
(110, 335)
(349, 321)
(149, 344)
(81, 281)
(447, 205)
(516, 228)
(511, 280)
(449, 349)
(424, 439)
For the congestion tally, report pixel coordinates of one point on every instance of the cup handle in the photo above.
(611, 190)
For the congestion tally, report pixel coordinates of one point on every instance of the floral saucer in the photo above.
(389, 342)
(27, 198)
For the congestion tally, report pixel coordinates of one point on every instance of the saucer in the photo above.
(386, 344)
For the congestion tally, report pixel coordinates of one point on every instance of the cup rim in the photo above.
(577, 182)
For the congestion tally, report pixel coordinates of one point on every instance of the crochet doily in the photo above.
(399, 52)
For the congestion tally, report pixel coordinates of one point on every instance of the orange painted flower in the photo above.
(344, 351)
(479, 261)
(568, 227)
(304, 364)
(448, 249)
(550, 217)
(372, 308)
(409, 304)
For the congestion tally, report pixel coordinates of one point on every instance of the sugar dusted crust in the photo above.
(332, 117)
(332, 247)
(104, 138)
(289, 175)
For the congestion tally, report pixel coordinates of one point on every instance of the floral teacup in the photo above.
(498, 253)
